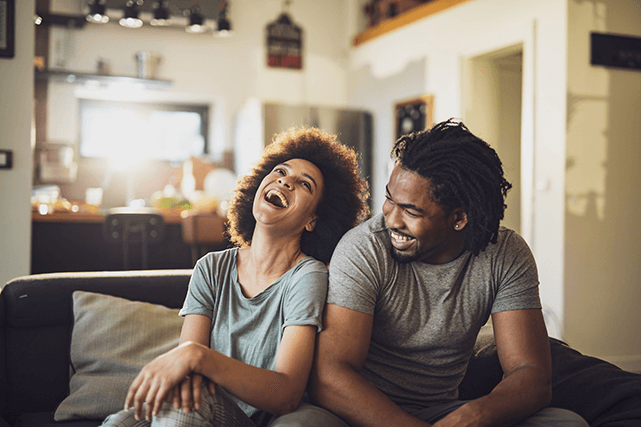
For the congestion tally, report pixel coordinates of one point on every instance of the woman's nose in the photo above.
(284, 181)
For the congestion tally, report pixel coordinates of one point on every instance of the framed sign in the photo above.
(284, 44)
(7, 28)
(413, 115)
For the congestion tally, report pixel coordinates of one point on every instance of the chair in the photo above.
(133, 226)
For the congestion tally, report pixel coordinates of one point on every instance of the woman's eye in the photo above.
(279, 171)
(307, 185)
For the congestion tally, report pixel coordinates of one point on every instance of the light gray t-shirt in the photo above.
(250, 329)
(427, 317)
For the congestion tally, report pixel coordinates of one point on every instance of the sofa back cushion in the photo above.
(39, 322)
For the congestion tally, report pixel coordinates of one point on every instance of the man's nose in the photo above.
(392, 216)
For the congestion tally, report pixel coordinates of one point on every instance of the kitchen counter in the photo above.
(74, 241)
(170, 217)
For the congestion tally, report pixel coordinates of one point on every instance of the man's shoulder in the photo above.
(367, 239)
(369, 228)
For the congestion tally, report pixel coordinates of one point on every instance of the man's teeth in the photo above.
(400, 237)
(277, 198)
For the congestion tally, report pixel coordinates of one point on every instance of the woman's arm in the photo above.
(277, 391)
(196, 328)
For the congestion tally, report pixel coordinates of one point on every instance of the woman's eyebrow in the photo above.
(304, 174)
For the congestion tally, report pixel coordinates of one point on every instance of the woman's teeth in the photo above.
(276, 198)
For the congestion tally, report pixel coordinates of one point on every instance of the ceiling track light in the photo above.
(223, 27)
(162, 17)
(131, 19)
(97, 12)
(196, 21)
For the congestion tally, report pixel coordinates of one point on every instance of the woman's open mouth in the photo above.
(276, 198)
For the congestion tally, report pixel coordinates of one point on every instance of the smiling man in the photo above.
(410, 289)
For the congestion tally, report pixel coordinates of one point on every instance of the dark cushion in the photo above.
(600, 392)
(603, 394)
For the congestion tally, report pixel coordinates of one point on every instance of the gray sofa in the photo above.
(37, 326)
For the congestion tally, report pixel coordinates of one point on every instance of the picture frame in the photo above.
(7, 28)
(413, 115)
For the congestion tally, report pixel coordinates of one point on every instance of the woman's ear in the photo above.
(460, 219)
(310, 225)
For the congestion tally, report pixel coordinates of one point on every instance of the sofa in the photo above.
(71, 344)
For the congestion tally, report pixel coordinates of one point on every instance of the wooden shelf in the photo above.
(405, 18)
(67, 76)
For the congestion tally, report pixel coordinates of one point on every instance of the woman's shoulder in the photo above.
(214, 261)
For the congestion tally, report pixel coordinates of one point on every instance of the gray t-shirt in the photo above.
(250, 329)
(427, 317)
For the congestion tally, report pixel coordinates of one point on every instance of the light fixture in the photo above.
(223, 28)
(37, 19)
(196, 21)
(97, 13)
(162, 16)
(131, 19)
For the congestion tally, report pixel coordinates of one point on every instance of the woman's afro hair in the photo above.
(343, 201)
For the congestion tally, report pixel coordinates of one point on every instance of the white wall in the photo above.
(16, 100)
(441, 43)
(603, 233)
(222, 72)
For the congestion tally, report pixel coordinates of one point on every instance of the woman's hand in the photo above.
(161, 376)
(188, 395)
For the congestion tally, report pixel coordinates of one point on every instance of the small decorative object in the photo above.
(7, 28)
(284, 43)
(413, 115)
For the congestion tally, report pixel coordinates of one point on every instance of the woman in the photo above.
(252, 312)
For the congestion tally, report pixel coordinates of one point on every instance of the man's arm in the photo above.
(524, 352)
(336, 382)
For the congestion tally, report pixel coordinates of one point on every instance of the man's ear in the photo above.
(460, 219)
(311, 225)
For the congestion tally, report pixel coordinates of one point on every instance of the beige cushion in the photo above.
(112, 339)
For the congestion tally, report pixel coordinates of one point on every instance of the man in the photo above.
(410, 289)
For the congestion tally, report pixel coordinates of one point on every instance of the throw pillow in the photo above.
(112, 339)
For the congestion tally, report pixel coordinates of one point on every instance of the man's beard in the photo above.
(404, 257)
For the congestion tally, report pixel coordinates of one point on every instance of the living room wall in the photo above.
(16, 89)
(603, 233)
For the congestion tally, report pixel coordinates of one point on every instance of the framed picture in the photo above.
(413, 115)
(7, 28)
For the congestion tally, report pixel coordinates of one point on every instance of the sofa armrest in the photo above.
(39, 322)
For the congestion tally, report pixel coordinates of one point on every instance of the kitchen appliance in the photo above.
(258, 121)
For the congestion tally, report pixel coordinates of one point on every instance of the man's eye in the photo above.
(307, 185)
(413, 215)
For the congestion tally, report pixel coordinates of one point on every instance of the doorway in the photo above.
(493, 85)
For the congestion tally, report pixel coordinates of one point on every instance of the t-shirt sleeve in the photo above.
(518, 286)
(305, 298)
(200, 295)
(357, 271)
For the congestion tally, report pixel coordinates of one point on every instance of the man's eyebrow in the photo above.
(304, 174)
(404, 205)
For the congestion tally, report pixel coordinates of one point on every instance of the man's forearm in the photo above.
(517, 396)
(346, 393)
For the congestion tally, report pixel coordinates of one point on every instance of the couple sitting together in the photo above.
(407, 292)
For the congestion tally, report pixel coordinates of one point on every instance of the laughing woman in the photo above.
(252, 312)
